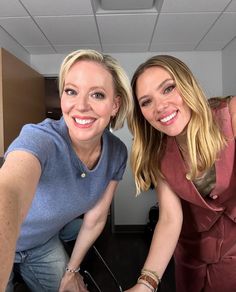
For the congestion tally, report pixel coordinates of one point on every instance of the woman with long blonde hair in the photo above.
(184, 146)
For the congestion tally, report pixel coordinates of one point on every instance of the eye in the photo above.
(169, 88)
(98, 95)
(70, 92)
(145, 102)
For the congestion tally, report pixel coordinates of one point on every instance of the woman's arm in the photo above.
(93, 224)
(19, 177)
(166, 233)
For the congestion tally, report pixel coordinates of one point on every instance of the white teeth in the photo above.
(83, 122)
(168, 118)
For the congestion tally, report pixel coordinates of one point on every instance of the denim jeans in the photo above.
(42, 267)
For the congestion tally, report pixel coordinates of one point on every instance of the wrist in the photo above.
(149, 279)
(70, 270)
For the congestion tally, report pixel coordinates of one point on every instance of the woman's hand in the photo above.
(72, 282)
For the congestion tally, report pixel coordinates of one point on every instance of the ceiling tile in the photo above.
(40, 50)
(174, 6)
(58, 7)
(69, 29)
(231, 7)
(24, 30)
(222, 32)
(12, 8)
(64, 49)
(170, 47)
(210, 46)
(172, 28)
(123, 48)
(126, 29)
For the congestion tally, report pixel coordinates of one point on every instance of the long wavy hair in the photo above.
(204, 137)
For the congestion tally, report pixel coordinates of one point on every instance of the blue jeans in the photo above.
(42, 267)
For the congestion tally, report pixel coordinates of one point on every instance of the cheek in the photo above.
(146, 113)
(65, 105)
(187, 113)
(103, 109)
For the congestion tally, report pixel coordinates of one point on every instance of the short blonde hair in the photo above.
(120, 80)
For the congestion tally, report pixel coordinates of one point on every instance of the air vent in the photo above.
(126, 4)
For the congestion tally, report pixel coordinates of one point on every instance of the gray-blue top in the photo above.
(62, 194)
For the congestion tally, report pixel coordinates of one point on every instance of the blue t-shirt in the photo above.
(62, 194)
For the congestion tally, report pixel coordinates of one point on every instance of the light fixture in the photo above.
(126, 4)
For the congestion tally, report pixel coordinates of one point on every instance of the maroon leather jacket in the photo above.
(209, 228)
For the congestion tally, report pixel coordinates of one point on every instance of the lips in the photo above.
(168, 118)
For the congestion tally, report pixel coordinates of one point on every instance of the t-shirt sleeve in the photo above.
(34, 140)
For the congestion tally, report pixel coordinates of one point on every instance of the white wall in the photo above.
(229, 69)
(207, 67)
(13, 47)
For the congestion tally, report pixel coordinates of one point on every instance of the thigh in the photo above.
(44, 266)
(190, 277)
(10, 286)
(221, 276)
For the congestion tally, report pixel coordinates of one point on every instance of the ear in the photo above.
(116, 105)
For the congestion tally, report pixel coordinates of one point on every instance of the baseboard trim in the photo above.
(128, 228)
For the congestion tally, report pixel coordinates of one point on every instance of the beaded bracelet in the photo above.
(72, 270)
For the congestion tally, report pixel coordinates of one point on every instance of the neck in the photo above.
(89, 153)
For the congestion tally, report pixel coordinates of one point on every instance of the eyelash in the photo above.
(96, 95)
(169, 89)
(70, 92)
(145, 103)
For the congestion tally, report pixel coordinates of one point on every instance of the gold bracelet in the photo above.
(151, 273)
(152, 282)
(141, 283)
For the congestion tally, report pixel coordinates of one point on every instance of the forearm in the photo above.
(9, 229)
(162, 247)
(86, 237)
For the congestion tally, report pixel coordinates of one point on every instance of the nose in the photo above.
(82, 102)
(161, 105)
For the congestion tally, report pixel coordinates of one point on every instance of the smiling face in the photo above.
(160, 102)
(88, 100)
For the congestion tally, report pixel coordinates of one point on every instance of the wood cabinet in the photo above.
(22, 97)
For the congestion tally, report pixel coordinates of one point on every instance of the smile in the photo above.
(168, 118)
(84, 121)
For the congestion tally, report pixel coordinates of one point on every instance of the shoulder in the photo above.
(224, 110)
(232, 110)
(114, 143)
(219, 102)
(39, 139)
(46, 131)
(232, 105)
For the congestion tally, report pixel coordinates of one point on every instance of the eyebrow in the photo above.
(92, 88)
(157, 88)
